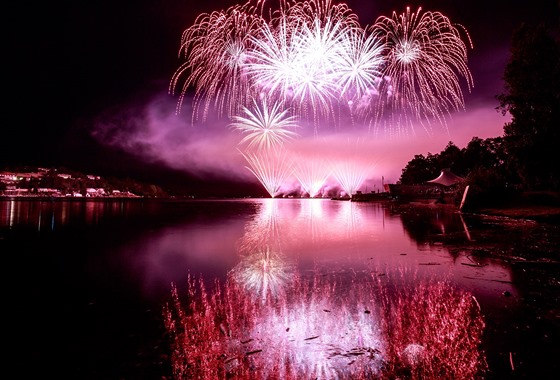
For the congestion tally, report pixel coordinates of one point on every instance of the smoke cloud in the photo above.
(154, 132)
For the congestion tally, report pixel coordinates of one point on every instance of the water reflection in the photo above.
(263, 273)
(336, 299)
(325, 328)
(335, 274)
(52, 214)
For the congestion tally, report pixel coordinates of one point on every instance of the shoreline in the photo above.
(541, 213)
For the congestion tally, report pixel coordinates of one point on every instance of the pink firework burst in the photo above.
(265, 127)
(215, 51)
(426, 58)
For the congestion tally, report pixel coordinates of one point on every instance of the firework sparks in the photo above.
(350, 175)
(360, 67)
(312, 173)
(265, 127)
(314, 56)
(425, 59)
(271, 168)
(215, 50)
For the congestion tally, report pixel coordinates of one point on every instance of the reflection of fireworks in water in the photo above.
(349, 328)
(425, 57)
(265, 127)
(263, 273)
(264, 230)
(271, 168)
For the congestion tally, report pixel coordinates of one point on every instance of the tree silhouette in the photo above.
(532, 97)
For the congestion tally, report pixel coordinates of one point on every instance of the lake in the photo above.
(320, 286)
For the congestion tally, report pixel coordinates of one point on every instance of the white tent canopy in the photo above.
(446, 178)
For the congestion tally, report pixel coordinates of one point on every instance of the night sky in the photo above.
(88, 85)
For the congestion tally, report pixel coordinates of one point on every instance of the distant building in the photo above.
(93, 192)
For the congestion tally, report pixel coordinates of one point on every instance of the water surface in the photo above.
(89, 278)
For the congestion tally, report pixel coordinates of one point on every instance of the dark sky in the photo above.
(72, 62)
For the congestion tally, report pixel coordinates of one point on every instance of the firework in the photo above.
(297, 56)
(360, 67)
(314, 57)
(425, 57)
(215, 50)
(350, 175)
(265, 127)
(312, 173)
(272, 168)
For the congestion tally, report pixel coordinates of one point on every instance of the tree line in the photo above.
(526, 156)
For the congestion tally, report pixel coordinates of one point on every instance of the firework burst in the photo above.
(359, 71)
(314, 57)
(265, 127)
(215, 50)
(426, 57)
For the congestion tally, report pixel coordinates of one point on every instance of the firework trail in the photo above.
(350, 175)
(312, 174)
(425, 59)
(271, 168)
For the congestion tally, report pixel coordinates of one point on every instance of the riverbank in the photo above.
(537, 213)
(538, 206)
